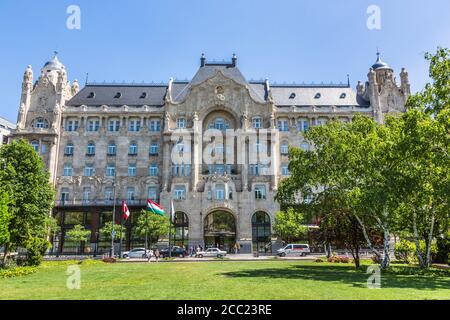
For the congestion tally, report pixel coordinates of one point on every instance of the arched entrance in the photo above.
(261, 233)
(181, 230)
(220, 230)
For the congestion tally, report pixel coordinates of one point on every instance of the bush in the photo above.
(16, 272)
(318, 260)
(36, 248)
(405, 251)
(337, 259)
(109, 260)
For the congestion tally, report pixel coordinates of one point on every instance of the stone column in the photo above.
(167, 161)
(196, 167)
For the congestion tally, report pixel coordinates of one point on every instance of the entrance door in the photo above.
(220, 231)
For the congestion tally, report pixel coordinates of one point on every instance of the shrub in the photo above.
(36, 248)
(318, 260)
(109, 260)
(16, 272)
(344, 259)
(405, 251)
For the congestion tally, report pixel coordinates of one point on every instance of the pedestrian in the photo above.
(235, 248)
(149, 255)
(156, 253)
(238, 247)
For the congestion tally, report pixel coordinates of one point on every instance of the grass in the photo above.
(225, 280)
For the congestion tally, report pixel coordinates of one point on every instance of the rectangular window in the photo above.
(153, 170)
(112, 150)
(110, 170)
(64, 195)
(154, 148)
(132, 170)
(284, 170)
(181, 123)
(283, 125)
(220, 192)
(72, 125)
(260, 192)
(155, 125)
(93, 125)
(180, 193)
(68, 170)
(86, 195)
(134, 125)
(130, 194)
(89, 170)
(114, 125)
(152, 195)
(257, 123)
(109, 196)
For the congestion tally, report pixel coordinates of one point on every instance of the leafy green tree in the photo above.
(155, 226)
(106, 231)
(79, 234)
(290, 225)
(4, 218)
(26, 180)
(435, 97)
(353, 162)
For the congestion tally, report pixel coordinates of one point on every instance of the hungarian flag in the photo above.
(125, 210)
(155, 208)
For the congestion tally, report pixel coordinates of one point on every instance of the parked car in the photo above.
(211, 252)
(294, 250)
(175, 252)
(137, 253)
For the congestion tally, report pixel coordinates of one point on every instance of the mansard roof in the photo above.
(96, 94)
(130, 95)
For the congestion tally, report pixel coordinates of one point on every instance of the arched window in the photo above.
(68, 150)
(181, 226)
(90, 149)
(133, 149)
(219, 124)
(261, 233)
(112, 149)
(40, 123)
(284, 149)
(35, 145)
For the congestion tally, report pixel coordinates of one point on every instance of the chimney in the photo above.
(234, 60)
(202, 60)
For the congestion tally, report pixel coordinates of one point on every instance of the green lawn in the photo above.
(221, 280)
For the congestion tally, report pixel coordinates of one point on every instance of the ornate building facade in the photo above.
(5, 130)
(216, 145)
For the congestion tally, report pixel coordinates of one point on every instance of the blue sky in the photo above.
(284, 40)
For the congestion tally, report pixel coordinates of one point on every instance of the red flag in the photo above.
(125, 210)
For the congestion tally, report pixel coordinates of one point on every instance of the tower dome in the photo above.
(379, 64)
(53, 64)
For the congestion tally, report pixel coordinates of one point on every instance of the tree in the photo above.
(353, 162)
(152, 225)
(106, 231)
(79, 234)
(289, 225)
(4, 218)
(424, 150)
(26, 180)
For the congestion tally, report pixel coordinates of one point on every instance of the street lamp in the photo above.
(113, 216)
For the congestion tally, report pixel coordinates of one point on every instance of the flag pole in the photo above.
(120, 244)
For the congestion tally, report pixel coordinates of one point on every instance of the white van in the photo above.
(294, 250)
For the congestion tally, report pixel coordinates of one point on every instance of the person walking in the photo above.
(156, 253)
(149, 255)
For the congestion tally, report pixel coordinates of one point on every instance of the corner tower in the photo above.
(382, 90)
(41, 105)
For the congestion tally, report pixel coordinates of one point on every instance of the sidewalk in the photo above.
(229, 257)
